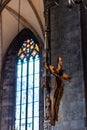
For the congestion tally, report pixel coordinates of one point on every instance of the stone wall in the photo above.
(8, 95)
(66, 41)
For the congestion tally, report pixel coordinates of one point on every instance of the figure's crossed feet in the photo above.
(52, 122)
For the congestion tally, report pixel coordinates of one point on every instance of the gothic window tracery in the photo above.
(27, 87)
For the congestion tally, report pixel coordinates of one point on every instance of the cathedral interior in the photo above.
(33, 32)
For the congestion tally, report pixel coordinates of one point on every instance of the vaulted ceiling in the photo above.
(18, 14)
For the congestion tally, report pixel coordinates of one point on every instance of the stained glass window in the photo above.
(27, 87)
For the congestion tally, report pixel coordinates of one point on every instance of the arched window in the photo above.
(27, 87)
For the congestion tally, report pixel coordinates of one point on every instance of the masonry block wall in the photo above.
(8, 95)
(66, 41)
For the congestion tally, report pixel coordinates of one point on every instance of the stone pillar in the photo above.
(0, 64)
(0, 44)
(46, 73)
(84, 49)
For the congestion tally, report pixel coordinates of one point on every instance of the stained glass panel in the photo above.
(36, 47)
(25, 69)
(24, 81)
(36, 94)
(36, 83)
(18, 112)
(19, 70)
(37, 57)
(30, 110)
(23, 97)
(28, 47)
(22, 55)
(36, 109)
(17, 122)
(29, 124)
(30, 95)
(27, 87)
(37, 66)
(30, 68)
(34, 52)
(18, 98)
(19, 62)
(30, 81)
(36, 123)
(18, 84)
(31, 59)
(23, 111)
(23, 124)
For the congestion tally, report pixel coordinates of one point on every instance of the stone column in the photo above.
(0, 63)
(0, 44)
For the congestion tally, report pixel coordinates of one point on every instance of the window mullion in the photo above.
(33, 94)
(21, 93)
(27, 94)
(39, 91)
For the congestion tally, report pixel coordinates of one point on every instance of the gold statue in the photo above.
(58, 87)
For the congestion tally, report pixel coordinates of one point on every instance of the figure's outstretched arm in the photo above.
(66, 76)
(46, 66)
(49, 67)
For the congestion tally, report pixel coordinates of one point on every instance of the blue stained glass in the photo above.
(36, 94)
(29, 124)
(36, 83)
(18, 88)
(28, 53)
(36, 123)
(23, 124)
(19, 70)
(18, 112)
(28, 50)
(36, 109)
(30, 68)
(37, 66)
(32, 42)
(19, 61)
(37, 57)
(24, 69)
(31, 59)
(24, 60)
(30, 109)
(24, 81)
(30, 95)
(23, 97)
(17, 122)
(18, 98)
(30, 81)
(23, 111)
